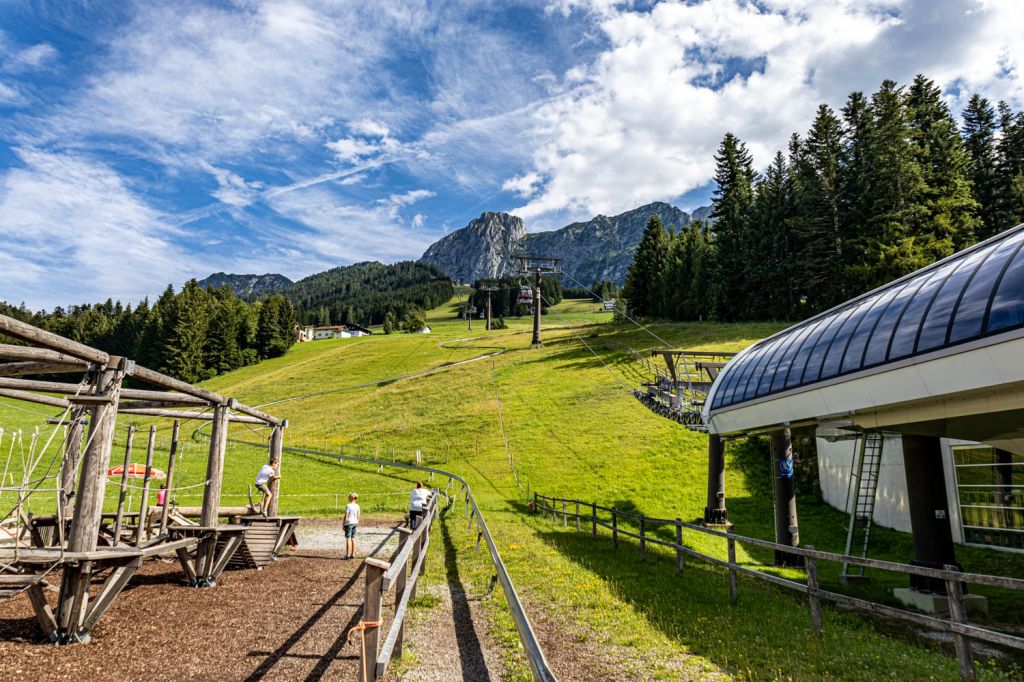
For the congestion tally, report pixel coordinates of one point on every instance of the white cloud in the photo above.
(341, 232)
(31, 58)
(418, 221)
(352, 149)
(77, 233)
(410, 197)
(369, 128)
(232, 188)
(643, 120)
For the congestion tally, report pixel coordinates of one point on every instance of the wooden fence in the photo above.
(383, 576)
(586, 513)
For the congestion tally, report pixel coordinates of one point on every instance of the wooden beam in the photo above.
(39, 337)
(178, 414)
(164, 381)
(37, 398)
(11, 369)
(258, 414)
(276, 446)
(13, 384)
(228, 551)
(124, 485)
(69, 466)
(162, 397)
(144, 497)
(44, 614)
(211, 493)
(112, 587)
(33, 354)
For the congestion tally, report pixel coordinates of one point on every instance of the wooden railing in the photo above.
(383, 576)
(956, 623)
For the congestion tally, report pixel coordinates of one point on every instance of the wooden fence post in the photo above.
(732, 570)
(119, 515)
(144, 501)
(812, 591)
(371, 614)
(577, 516)
(172, 459)
(400, 582)
(593, 519)
(554, 514)
(957, 614)
(565, 518)
(615, 528)
(679, 544)
(643, 539)
(535, 507)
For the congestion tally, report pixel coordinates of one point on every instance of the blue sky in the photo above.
(148, 143)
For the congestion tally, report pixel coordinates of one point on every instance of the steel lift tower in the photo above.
(537, 266)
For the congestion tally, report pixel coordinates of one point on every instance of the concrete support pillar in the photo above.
(715, 511)
(929, 509)
(787, 530)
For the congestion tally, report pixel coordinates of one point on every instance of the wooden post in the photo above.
(958, 614)
(535, 507)
(92, 483)
(615, 528)
(565, 517)
(414, 556)
(144, 503)
(400, 583)
(124, 485)
(643, 539)
(171, 463)
(554, 513)
(577, 516)
(72, 455)
(732, 570)
(371, 613)
(679, 544)
(211, 494)
(812, 589)
(593, 519)
(276, 449)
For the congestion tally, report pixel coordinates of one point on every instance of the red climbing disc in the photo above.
(136, 470)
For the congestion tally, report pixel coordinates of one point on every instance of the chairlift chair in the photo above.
(525, 294)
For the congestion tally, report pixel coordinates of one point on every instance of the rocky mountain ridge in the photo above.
(248, 287)
(599, 249)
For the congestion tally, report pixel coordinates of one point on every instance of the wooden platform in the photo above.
(264, 537)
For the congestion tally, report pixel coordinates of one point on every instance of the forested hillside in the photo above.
(193, 334)
(364, 293)
(885, 186)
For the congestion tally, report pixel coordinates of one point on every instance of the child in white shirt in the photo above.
(350, 522)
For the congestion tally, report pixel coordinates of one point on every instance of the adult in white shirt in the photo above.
(267, 474)
(418, 503)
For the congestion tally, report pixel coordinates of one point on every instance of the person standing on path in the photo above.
(417, 504)
(349, 523)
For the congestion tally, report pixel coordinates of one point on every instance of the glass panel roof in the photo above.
(972, 294)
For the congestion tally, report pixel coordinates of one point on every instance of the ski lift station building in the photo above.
(931, 368)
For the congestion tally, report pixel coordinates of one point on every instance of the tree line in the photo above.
(192, 334)
(889, 184)
(364, 293)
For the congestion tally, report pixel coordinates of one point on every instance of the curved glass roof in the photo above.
(972, 294)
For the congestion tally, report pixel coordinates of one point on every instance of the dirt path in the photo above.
(449, 640)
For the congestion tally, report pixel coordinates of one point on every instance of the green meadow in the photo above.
(572, 429)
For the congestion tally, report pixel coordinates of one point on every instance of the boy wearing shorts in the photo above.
(267, 474)
(349, 524)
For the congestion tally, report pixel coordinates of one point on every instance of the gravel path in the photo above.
(449, 640)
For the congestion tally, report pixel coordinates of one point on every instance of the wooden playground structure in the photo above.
(85, 543)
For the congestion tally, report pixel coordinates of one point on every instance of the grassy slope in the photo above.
(573, 431)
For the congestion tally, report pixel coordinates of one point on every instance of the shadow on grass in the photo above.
(471, 654)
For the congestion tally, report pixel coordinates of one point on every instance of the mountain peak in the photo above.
(246, 286)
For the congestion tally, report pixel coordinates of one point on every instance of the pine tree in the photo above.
(1010, 162)
(646, 275)
(948, 219)
(979, 138)
(733, 198)
(772, 213)
(186, 334)
(221, 351)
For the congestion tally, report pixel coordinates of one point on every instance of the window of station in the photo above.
(990, 489)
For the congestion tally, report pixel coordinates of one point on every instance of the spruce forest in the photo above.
(884, 187)
(193, 334)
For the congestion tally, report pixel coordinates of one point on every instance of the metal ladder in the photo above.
(860, 501)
